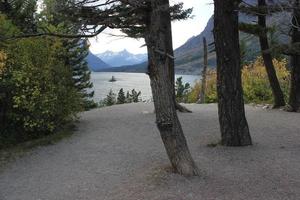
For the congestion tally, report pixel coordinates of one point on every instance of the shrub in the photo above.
(211, 89)
(256, 84)
(42, 93)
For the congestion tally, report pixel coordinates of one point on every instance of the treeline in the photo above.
(120, 98)
(44, 81)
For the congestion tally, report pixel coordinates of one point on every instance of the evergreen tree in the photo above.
(294, 100)
(128, 97)
(78, 50)
(121, 97)
(110, 99)
(233, 123)
(135, 96)
(181, 89)
(21, 12)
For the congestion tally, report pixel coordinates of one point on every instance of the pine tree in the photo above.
(22, 13)
(294, 100)
(128, 97)
(110, 99)
(78, 50)
(121, 97)
(135, 96)
(233, 123)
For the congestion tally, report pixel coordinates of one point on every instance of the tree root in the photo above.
(181, 108)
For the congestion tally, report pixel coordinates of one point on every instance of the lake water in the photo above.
(127, 81)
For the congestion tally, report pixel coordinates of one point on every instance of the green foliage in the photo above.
(135, 96)
(112, 98)
(121, 97)
(21, 13)
(43, 95)
(77, 49)
(45, 81)
(181, 90)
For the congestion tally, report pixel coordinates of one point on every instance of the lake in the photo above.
(127, 81)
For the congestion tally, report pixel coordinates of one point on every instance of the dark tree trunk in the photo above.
(3, 108)
(233, 123)
(267, 57)
(294, 100)
(204, 72)
(160, 52)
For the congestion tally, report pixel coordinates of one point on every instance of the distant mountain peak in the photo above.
(121, 58)
(95, 63)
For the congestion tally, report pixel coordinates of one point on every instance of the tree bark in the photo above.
(233, 123)
(294, 100)
(3, 108)
(159, 39)
(268, 60)
(204, 72)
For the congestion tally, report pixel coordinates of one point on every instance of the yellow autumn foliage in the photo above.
(255, 83)
(211, 88)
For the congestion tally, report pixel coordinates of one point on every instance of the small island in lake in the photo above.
(113, 79)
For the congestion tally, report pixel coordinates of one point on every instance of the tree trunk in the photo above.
(204, 72)
(159, 39)
(233, 123)
(294, 100)
(3, 108)
(267, 57)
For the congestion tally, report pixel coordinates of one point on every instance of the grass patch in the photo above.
(11, 153)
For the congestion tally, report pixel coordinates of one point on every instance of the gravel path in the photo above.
(117, 154)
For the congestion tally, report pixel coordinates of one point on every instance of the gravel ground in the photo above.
(117, 154)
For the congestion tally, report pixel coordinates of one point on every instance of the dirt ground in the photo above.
(117, 154)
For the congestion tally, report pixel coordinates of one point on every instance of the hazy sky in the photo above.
(182, 31)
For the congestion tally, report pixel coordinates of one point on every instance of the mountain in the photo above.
(137, 68)
(189, 56)
(95, 63)
(122, 58)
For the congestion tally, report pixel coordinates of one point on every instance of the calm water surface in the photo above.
(127, 81)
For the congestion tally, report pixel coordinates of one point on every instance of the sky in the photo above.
(182, 30)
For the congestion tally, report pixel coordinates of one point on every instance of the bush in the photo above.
(211, 89)
(42, 95)
(255, 83)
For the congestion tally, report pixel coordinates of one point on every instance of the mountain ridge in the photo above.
(96, 64)
(121, 58)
